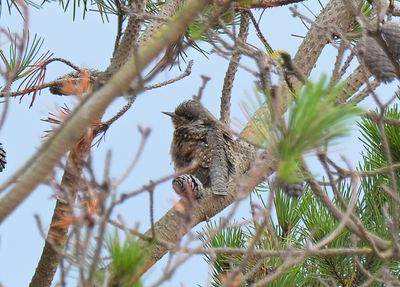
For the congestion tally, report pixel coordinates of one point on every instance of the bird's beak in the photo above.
(172, 115)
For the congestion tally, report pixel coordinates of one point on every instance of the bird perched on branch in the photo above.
(200, 139)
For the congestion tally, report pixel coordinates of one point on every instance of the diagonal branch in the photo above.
(59, 225)
(353, 82)
(57, 234)
(335, 15)
(172, 226)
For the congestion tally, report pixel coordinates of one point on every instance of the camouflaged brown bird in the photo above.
(199, 137)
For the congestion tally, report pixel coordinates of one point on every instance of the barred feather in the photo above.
(188, 181)
(3, 160)
(375, 59)
(391, 33)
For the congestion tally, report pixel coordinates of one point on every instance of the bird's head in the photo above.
(189, 112)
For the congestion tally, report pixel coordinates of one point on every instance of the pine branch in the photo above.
(335, 15)
(127, 45)
(94, 105)
(353, 82)
(53, 247)
(271, 3)
(354, 224)
(130, 41)
(59, 225)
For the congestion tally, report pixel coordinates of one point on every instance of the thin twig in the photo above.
(145, 132)
(121, 112)
(355, 226)
(185, 73)
(260, 35)
(339, 58)
(205, 80)
(120, 18)
(151, 210)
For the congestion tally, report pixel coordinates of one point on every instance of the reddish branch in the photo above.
(62, 215)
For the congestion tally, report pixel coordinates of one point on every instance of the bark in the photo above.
(126, 47)
(167, 10)
(53, 247)
(336, 15)
(353, 82)
(232, 69)
(61, 220)
(131, 39)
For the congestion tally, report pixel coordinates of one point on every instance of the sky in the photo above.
(89, 43)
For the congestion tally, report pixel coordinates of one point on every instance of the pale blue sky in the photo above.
(89, 43)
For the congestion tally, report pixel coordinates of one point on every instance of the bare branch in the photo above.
(231, 71)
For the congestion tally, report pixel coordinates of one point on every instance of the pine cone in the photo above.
(391, 33)
(3, 160)
(374, 58)
(187, 185)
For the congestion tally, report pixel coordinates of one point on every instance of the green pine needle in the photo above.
(228, 237)
(372, 140)
(287, 213)
(127, 260)
(314, 120)
(375, 198)
(32, 49)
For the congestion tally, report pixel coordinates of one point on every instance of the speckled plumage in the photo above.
(200, 137)
(391, 34)
(375, 59)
